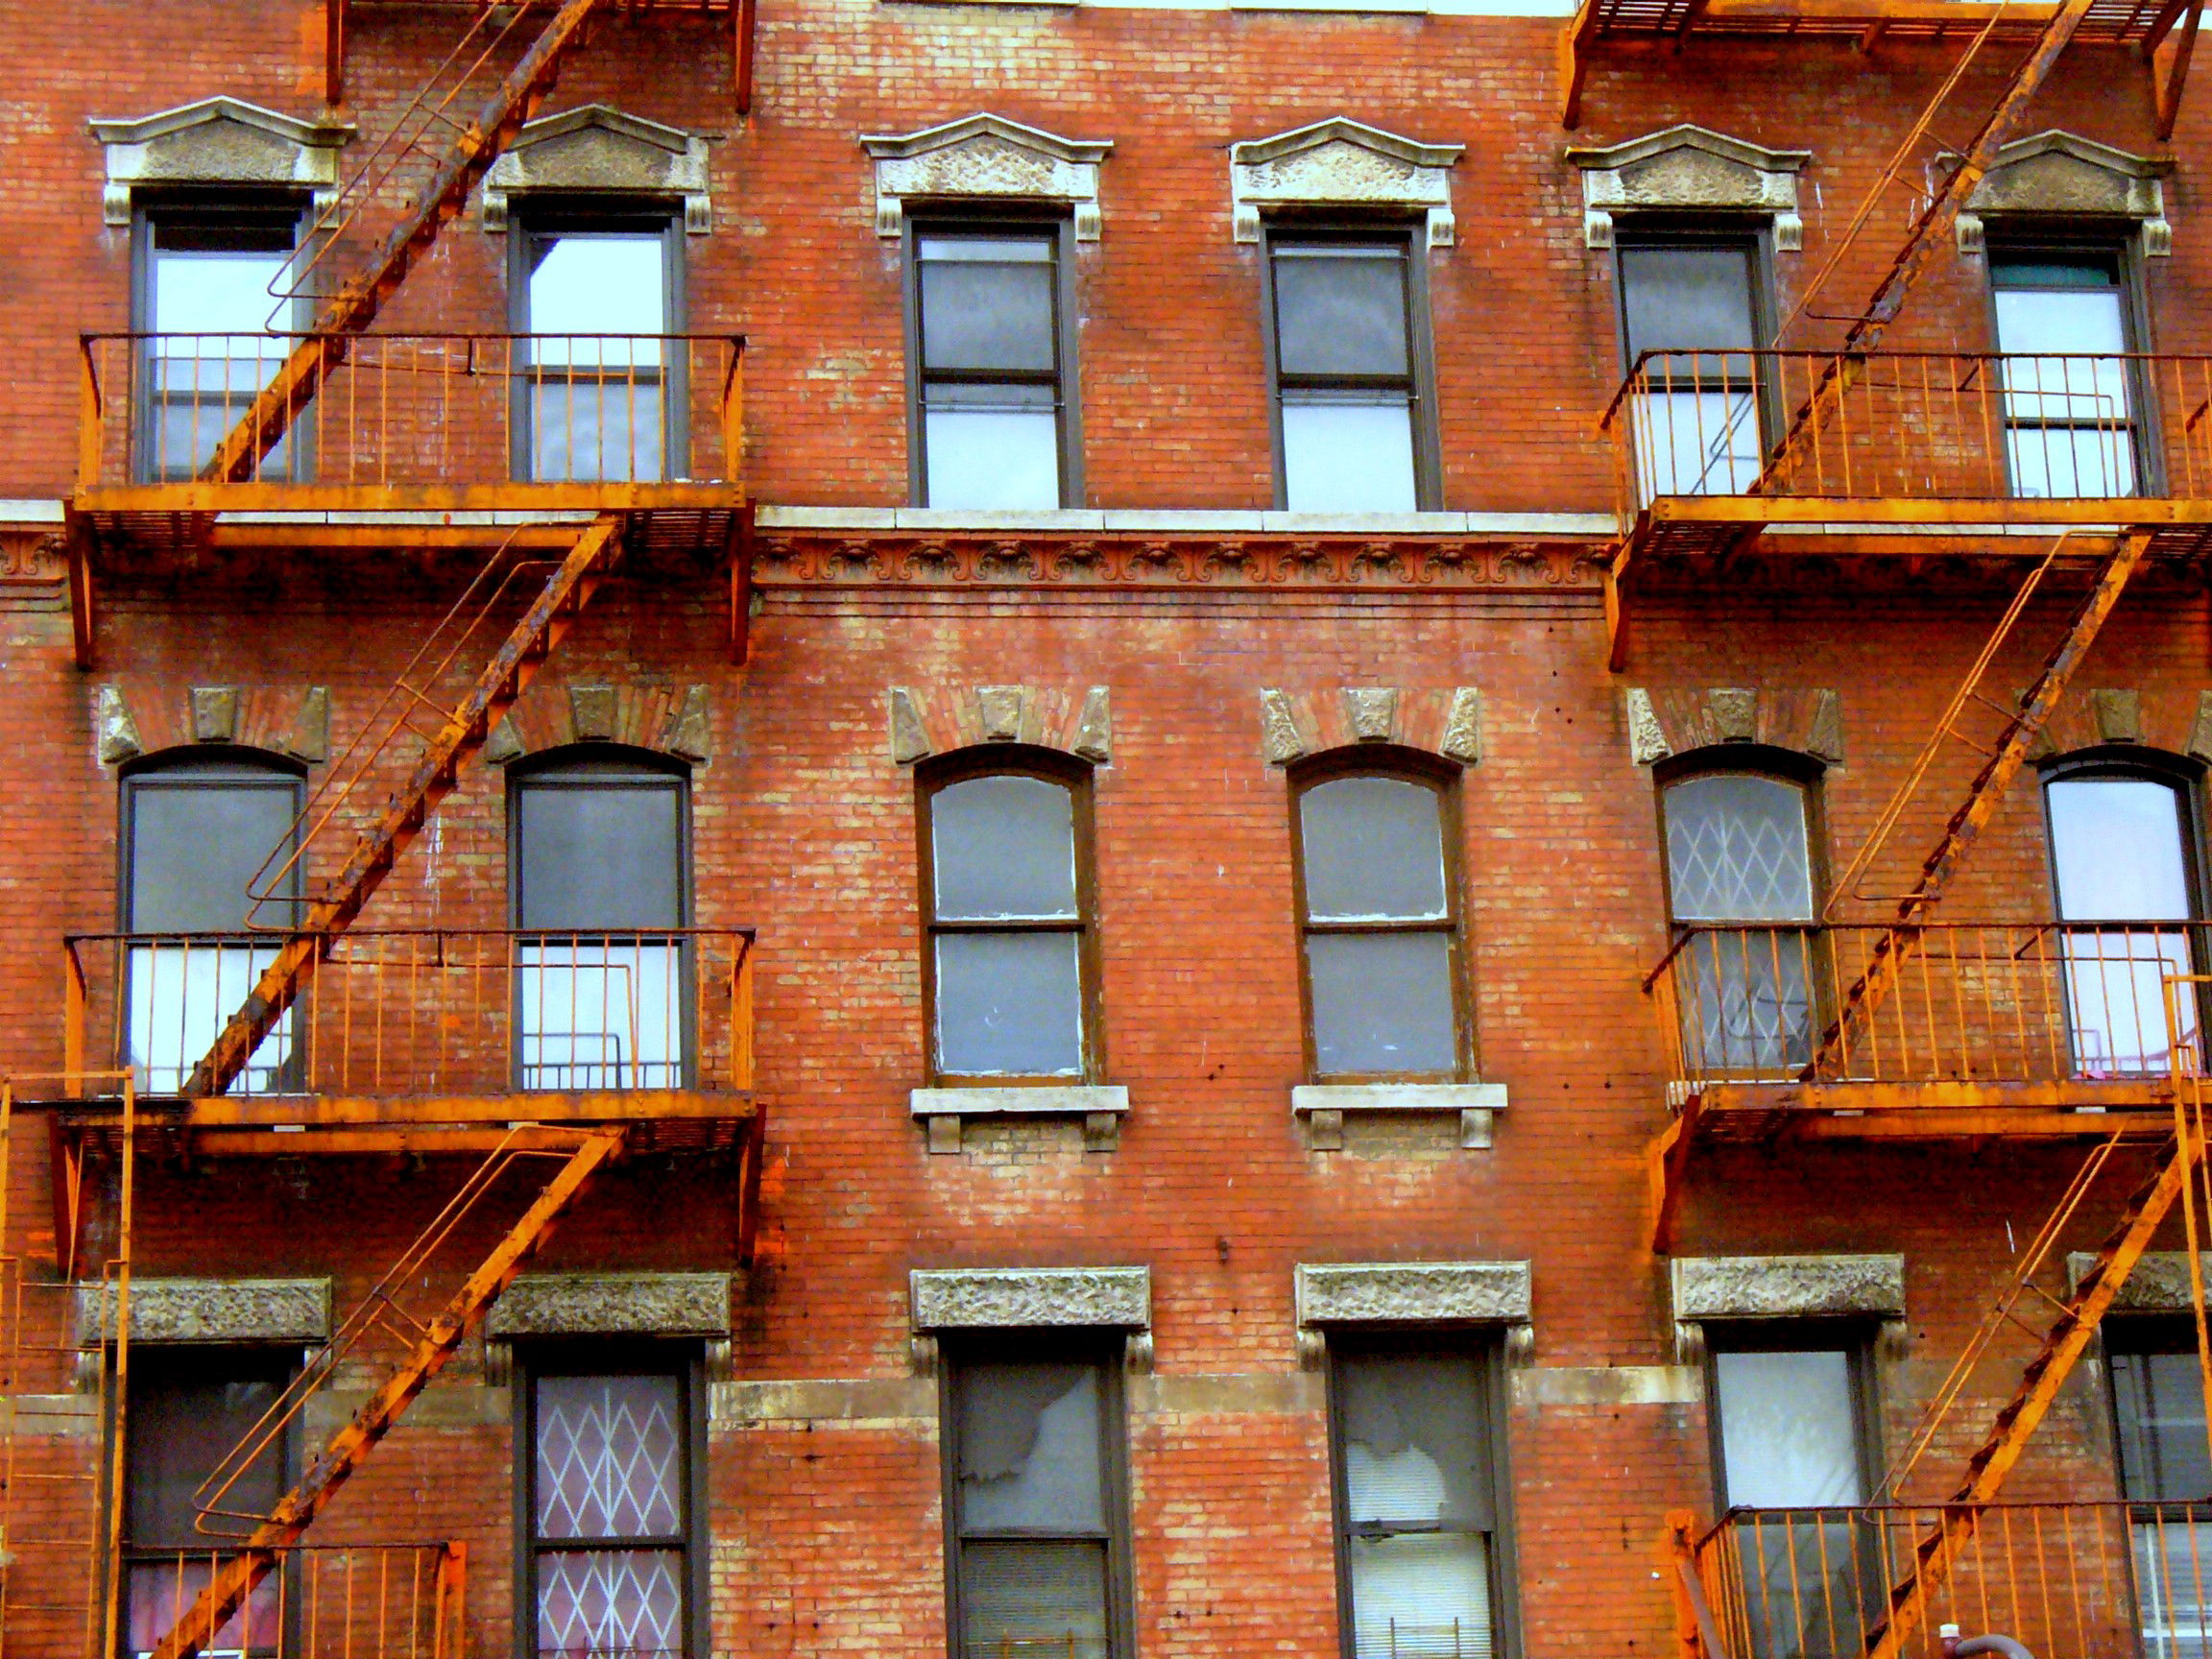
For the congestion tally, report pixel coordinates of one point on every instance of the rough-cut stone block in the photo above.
(1413, 1293)
(504, 744)
(909, 737)
(1788, 1287)
(689, 732)
(1646, 737)
(1824, 732)
(209, 1310)
(1095, 728)
(1463, 738)
(116, 730)
(2158, 1284)
(993, 1298)
(612, 1305)
(2200, 733)
(309, 739)
(593, 714)
(214, 714)
(1279, 735)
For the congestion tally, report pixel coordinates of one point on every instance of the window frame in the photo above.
(1410, 235)
(548, 215)
(1753, 236)
(2131, 762)
(1107, 1351)
(1752, 760)
(1443, 779)
(1857, 1336)
(1058, 227)
(1487, 1348)
(208, 766)
(1024, 761)
(606, 1357)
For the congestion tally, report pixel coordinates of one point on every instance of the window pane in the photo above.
(592, 424)
(2117, 850)
(1021, 1600)
(596, 284)
(185, 1416)
(2057, 308)
(1341, 310)
(1373, 849)
(599, 856)
(609, 1451)
(1421, 1595)
(1788, 1433)
(2173, 1585)
(1382, 1003)
(2160, 1403)
(1005, 847)
(1687, 298)
(161, 1593)
(610, 1604)
(1009, 1004)
(219, 291)
(1029, 1449)
(987, 304)
(1736, 850)
(194, 846)
(181, 996)
(992, 448)
(1348, 452)
(2048, 461)
(1694, 443)
(1415, 1442)
(602, 1015)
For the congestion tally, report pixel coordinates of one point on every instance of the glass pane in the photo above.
(1022, 1600)
(608, 1456)
(2160, 1403)
(219, 291)
(1004, 847)
(1415, 1443)
(594, 425)
(1815, 1586)
(2070, 309)
(2174, 1586)
(161, 1593)
(1421, 1595)
(181, 996)
(1736, 850)
(1348, 452)
(987, 304)
(599, 856)
(1009, 1004)
(194, 846)
(1029, 1449)
(1373, 849)
(2070, 460)
(992, 448)
(1696, 443)
(1382, 1003)
(1788, 1433)
(2117, 850)
(602, 1015)
(1341, 310)
(1746, 1003)
(593, 283)
(610, 1604)
(1687, 298)
(186, 1417)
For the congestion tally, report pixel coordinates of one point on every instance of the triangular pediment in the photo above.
(599, 150)
(986, 157)
(1343, 162)
(217, 140)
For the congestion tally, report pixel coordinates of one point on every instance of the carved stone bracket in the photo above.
(1341, 163)
(928, 720)
(1403, 1293)
(600, 149)
(988, 158)
(217, 142)
(1782, 1288)
(1672, 722)
(1446, 721)
(612, 1305)
(209, 1310)
(2056, 174)
(1690, 168)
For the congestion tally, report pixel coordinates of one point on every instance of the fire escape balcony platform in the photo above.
(2139, 1107)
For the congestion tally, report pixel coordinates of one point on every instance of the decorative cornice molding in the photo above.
(600, 148)
(209, 1310)
(217, 142)
(2060, 175)
(1342, 163)
(1690, 167)
(984, 156)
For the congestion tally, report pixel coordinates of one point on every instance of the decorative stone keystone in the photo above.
(593, 712)
(1371, 713)
(2119, 715)
(1734, 714)
(612, 1305)
(1015, 1298)
(209, 1310)
(214, 714)
(999, 710)
(1463, 726)
(115, 728)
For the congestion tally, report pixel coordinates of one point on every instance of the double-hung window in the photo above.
(1354, 424)
(993, 423)
(2070, 398)
(600, 389)
(1036, 1514)
(2158, 1412)
(196, 836)
(1690, 324)
(217, 309)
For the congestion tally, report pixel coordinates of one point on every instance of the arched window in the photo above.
(199, 828)
(1740, 882)
(1378, 900)
(1010, 970)
(2125, 877)
(598, 868)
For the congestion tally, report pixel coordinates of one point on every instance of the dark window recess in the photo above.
(2158, 1418)
(1380, 929)
(1417, 1503)
(599, 383)
(1351, 416)
(2070, 423)
(1036, 1509)
(1697, 415)
(992, 428)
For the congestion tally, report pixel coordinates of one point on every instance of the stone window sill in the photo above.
(1100, 1106)
(1323, 1106)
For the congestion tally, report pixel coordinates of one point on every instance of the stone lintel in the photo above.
(988, 158)
(605, 150)
(1691, 168)
(1037, 1298)
(209, 1310)
(2158, 1284)
(1100, 1105)
(1788, 1287)
(1412, 1293)
(612, 1305)
(1340, 162)
(1323, 1106)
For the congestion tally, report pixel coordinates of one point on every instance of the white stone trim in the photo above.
(1341, 163)
(986, 157)
(2158, 1284)
(2055, 174)
(600, 148)
(1788, 1287)
(217, 142)
(209, 1310)
(1324, 1105)
(945, 1111)
(1329, 1294)
(612, 1305)
(1687, 167)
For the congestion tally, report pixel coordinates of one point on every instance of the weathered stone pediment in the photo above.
(2057, 175)
(988, 158)
(1689, 169)
(217, 142)
(600, 149)
(1340, 162)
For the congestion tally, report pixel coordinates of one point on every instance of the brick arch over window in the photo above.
(1439, 722)
(289, 722)
(935, 720)
(672, 722)
(1807, 723)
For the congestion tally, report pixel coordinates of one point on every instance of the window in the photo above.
(1740, 881)
(1420, 1557)
(1035, 1510)
(598, 859)
(607, 1560)
(2070, 425)
(195, 833)
(994, 345)
(213, 296)
(1790, 1410)
(1355, 429)
(599, 392)
(1010, 968)
(1378, 897)
(2158, 1411)
(2123, 843)
(1695, 415)
(188, 1409)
